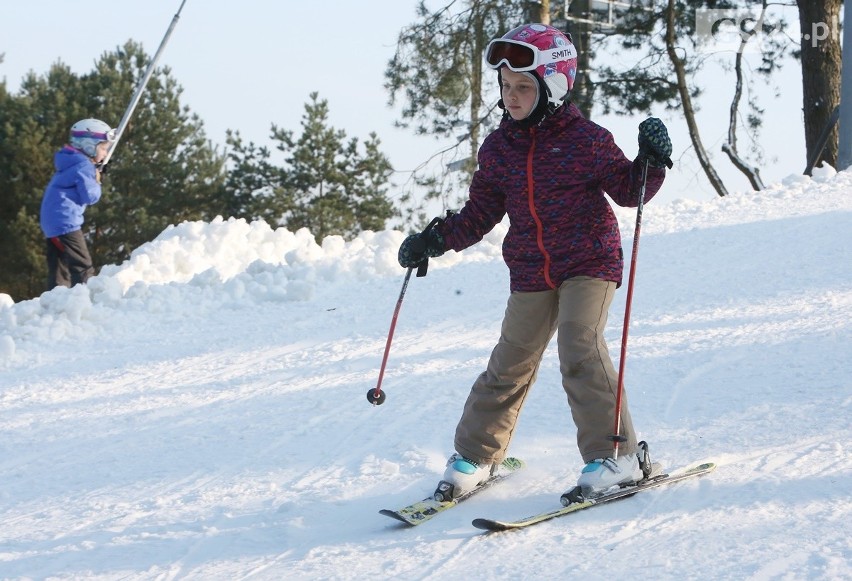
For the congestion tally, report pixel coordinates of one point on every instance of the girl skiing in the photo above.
(547, 168)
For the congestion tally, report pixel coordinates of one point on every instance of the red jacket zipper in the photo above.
(539, 228)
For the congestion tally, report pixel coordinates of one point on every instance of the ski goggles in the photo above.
(108, 136)
(521, 56)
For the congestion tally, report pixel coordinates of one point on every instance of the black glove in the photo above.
(418, 247)
(654, 143)
(100, 171)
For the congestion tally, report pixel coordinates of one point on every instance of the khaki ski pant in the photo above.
(577, 313)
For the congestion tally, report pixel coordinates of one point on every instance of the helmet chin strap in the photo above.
(534, 79)
(543, 106)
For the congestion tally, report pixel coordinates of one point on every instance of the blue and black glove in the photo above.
(654, 143)
(418, 247)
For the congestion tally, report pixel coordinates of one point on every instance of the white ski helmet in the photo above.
(86, 134)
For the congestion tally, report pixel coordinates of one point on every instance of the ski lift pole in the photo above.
(141, 88)
(617, 438)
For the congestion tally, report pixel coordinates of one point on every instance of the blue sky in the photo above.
(250, 66)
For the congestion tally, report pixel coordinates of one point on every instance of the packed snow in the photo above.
(200, 411)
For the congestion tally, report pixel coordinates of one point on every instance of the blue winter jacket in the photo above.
(73, 187)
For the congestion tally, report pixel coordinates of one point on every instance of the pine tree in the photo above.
(326, 184)
(251, 187)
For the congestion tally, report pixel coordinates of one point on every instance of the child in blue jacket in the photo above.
(75, 185)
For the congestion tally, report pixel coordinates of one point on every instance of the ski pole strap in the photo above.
(423, 267)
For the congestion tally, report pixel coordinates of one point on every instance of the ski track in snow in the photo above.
(209, 421)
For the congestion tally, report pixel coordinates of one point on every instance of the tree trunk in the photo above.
(476, 81)
(581, 94)
(730, 147)
(821, 63)
(538, 11)
(686, 100)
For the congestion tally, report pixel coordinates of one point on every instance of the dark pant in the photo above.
(68, 260)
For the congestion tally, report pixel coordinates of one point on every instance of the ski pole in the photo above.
(376, 396)
(617, 438)
(138, 94)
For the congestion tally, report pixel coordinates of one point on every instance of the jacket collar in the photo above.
(563, 117)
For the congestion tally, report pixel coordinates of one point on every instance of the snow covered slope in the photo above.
(199, 411)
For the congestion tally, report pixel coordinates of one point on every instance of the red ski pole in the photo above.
(377, 396)
(617, 438)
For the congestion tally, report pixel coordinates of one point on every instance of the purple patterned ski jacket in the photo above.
(550, 179)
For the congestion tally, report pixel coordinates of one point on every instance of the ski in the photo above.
(420, 512)
(653, 482)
